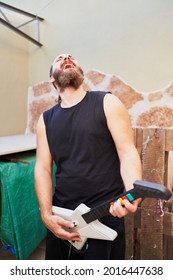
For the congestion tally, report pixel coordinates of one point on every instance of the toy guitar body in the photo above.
(94, 229)
(86, 219)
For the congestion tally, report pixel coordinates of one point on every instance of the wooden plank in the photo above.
(168, 247)
(137, 218)
(168, 139)
(166, 169)
(137, 234)
(132, 227)
(129, 229)
(139, 140)
(153, 170)
(137, 244)
(153, 155)
(170, 172)
(168, 224)
(169, 159)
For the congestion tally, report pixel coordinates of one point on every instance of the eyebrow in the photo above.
(59, 57)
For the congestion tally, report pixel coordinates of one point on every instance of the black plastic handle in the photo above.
(143, 189)
(148, 189)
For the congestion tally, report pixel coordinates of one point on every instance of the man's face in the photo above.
(64, 62)
(66, 72)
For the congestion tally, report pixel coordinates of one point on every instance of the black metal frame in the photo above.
(8, 24)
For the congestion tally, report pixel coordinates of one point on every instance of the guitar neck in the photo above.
(103, 209)
(141, 189)
(96, 213)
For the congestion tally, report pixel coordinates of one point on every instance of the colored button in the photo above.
(112, 202)
(130, 197)
(121, 201)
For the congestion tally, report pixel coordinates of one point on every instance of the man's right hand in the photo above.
(57, 226)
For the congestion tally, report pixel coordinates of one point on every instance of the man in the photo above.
(89, 137)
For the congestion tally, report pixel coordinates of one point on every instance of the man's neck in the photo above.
(71, 97)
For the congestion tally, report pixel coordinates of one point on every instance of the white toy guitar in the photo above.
(86, 219)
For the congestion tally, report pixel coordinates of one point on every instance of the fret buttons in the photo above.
(121, 200)
(130, 197)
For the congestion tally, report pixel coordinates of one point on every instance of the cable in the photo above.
(45, 6)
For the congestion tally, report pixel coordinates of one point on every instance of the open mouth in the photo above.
(68, 66)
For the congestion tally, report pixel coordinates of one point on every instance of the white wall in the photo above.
(14, 73)
(130, 38)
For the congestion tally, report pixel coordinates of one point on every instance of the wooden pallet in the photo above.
(149, 232)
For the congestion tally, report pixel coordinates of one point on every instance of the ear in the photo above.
(51, 80)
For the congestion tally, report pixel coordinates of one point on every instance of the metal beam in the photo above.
(16, 29)
(14, 9)
(20, 32)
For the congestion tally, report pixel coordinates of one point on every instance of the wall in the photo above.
(150, 109)
(14, 82)
(132, 39)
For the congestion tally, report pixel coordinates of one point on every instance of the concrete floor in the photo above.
(38, 254)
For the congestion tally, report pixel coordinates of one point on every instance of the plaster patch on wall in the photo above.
(41, 97)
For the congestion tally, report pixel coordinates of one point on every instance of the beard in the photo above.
(73, 77)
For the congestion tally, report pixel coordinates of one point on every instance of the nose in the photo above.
(66, 57)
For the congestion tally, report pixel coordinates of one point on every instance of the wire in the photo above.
(45, 6)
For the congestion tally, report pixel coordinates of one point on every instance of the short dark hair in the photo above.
(58, 100)
(50, 71)
(50, 74)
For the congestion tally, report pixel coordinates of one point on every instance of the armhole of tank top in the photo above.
(44, 118)
(104, 115)
(101, 110)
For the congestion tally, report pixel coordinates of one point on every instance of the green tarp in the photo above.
(21, 227)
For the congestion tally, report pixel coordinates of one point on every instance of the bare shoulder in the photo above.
(118, 119)
(113, 105)
(40, 122)
(40, 128)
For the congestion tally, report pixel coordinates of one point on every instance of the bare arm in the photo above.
(43, 187)
(43, 171)
(118, 122)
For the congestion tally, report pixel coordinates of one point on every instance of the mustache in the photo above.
(58, 72)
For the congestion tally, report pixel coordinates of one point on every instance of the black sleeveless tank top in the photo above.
(83, 150)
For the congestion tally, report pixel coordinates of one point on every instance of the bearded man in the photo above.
(89, 137)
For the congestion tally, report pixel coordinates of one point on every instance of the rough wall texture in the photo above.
(41, 97)
(145, 109)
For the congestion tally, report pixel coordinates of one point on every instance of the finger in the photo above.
(111, 210)
(69, 235)
(65, 223)
(75, 238)
(131, 207)
(118, 210)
